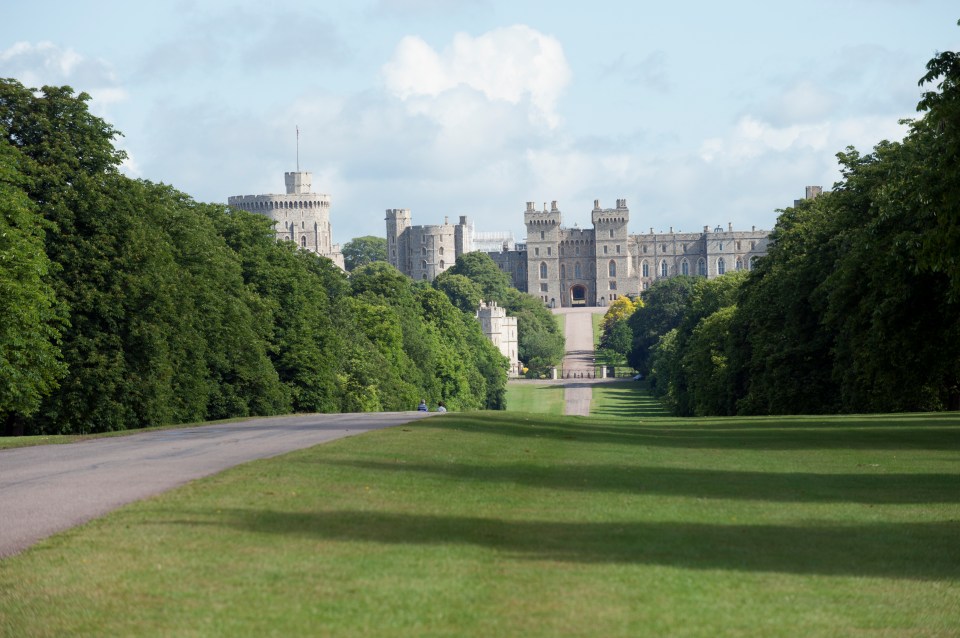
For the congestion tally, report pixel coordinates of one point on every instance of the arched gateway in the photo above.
(578, 295)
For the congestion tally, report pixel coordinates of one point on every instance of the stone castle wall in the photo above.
(299, 215)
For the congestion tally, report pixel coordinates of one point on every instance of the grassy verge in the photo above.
(508, 524)
(9, 442)
(629, 399)
(597, 320)
(535, 397)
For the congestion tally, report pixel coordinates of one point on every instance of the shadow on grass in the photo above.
(631, 399)
(915, 432)
(921, 551)
(868, 489)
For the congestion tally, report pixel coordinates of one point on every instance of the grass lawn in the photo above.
(512, 524)
(561, 323)
(630, 399)
(536, 397)
(597, 320)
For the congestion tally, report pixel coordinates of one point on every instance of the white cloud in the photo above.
(45, 63)
(753, 138)
(514, 64)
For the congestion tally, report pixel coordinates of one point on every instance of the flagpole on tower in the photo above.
(298, 148)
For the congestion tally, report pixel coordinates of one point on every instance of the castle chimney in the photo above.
(730, 226)
(596, 204)
(706, 229)
(530, 206)
(553, 206)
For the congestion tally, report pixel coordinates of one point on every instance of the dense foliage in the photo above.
(476, 277)
(361, 251)
(616, 337)
(126, 304)
(856, 308)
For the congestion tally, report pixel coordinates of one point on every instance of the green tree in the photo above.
(461, 290)
(478, 267)
(30, 320)
(361, 251)
(938, 183)
(664, 305)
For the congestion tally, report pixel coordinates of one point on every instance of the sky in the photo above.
(699, 113)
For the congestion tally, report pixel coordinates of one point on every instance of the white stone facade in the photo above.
(501, 330)
(593, 266)
(299, 215)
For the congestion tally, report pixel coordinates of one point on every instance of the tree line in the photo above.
(856, 308)
(126, 304)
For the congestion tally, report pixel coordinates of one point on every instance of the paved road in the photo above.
(579, 359)
(49, 488)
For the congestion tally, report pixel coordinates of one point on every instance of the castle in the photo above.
(578, 266)
(501, 330)
(299, 215)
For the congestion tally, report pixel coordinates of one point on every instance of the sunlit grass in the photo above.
(535, 397)
(493, 524)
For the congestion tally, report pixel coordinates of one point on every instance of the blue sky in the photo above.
(698, 113)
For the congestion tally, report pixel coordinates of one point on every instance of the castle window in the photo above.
(541, 234)
(721, 246)
(613, 285)
(563, 271)
(423, 250)
(303, 242)
(618, 249)
(423, 239)
(544, 287)
(611, 233)
(441, 250)
(663, 248)
(536, 251)
(752, 245)
(739, 265)
(605, 250)
(441, 264)
(576, 271)
(578, 250)
(543, 270)
(549, 250)
(702, 268)
(644, 249)
(738, 245)
(721, 266)
(612, 269)
(423, 264)
(561, 251)
(645, 269)
(684, 267)
(663, 268)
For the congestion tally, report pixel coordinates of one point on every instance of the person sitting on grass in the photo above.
(423, 406)
(441, 407)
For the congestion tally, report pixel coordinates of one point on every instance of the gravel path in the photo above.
(49, 488)
(579, 359)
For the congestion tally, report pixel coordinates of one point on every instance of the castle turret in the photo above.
(299, 215)
(543, 243)
(398, 221)
(613, 264)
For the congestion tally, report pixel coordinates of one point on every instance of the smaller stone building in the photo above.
(423, 252)
(299, 215)
(501, 330)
